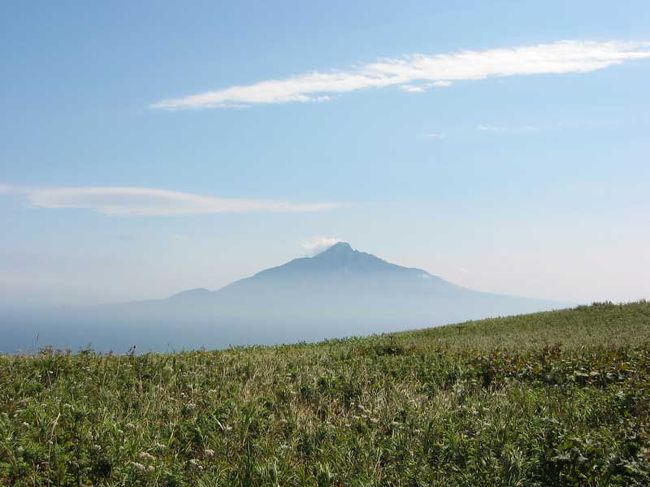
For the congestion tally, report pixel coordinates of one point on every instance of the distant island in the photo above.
(337, 293)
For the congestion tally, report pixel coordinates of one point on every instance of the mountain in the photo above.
(340, 262)
(339, 292)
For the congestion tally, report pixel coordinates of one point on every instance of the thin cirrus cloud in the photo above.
(502, 129)
(435, 136)
(134, 201)
(418, 73)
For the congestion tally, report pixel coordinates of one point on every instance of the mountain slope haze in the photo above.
(339, 292)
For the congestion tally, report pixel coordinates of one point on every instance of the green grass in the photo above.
(559, 398)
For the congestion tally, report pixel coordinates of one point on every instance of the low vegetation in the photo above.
(558, 398)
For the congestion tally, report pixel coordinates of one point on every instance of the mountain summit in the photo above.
(339, 259)
(338, 292)
(343, 256)
(340, 248)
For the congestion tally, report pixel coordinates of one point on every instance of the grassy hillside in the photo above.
(559, 398)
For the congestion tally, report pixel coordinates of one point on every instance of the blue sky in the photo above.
(514, 163)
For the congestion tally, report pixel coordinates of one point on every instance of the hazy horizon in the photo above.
(150, 148)
(339, 292)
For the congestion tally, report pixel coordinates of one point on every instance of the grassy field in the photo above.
(559, 398)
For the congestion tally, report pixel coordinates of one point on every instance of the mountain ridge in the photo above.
(339, 260)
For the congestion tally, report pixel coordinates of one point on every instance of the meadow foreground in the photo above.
(554, 398)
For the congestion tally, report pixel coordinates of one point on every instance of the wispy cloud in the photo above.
(589, 124)
(412, 88)
(506, 128)
(418, 72)
(134, 201)
(422, 87)
(317, 244)
(435, 136)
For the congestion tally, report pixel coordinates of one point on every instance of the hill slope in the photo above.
(555, 398)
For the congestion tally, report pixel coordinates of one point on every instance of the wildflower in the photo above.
(139, 466)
